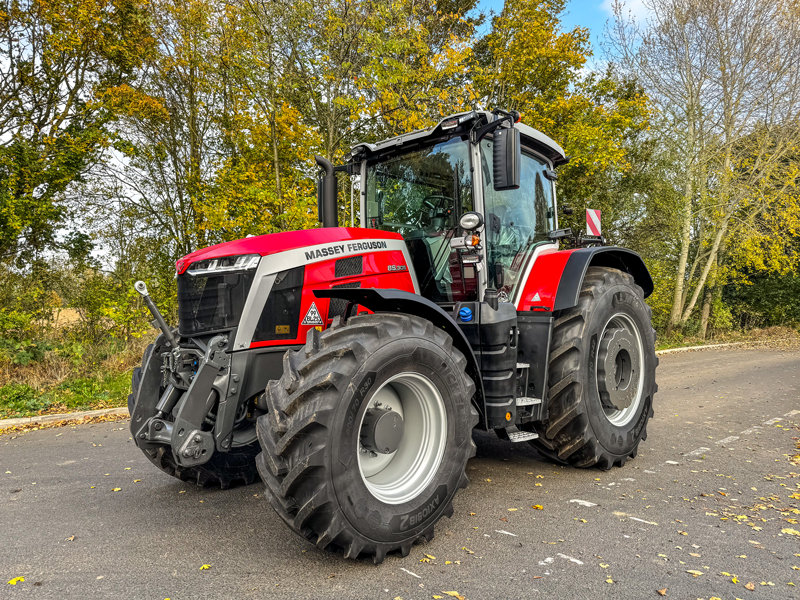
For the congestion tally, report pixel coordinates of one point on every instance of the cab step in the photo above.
(522, 401)
(522, 436)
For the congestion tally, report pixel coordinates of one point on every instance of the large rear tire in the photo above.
(326, 474)
(224, 468)
(602, 374)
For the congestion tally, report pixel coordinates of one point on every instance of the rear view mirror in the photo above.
(506, 156)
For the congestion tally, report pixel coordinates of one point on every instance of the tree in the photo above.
(60, 65)
(723, 76)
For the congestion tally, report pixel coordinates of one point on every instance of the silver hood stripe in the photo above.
(272, 264)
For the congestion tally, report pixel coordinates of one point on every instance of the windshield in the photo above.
(516, 220)
(421, 195)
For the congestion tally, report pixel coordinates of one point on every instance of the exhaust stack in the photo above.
(326, 194)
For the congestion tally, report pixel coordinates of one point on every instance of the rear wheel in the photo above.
(224, 468)
(602, 374)
(368, 434)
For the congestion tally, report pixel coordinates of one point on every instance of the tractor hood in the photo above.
(275, 243)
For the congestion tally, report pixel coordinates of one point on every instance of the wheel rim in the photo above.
(619, 369)
(404, 474)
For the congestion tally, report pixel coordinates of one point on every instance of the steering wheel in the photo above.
(427, 200)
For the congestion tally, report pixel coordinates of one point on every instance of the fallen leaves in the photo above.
(609, 580)
(788, 531)
(467, 550)
(116, 489)
(16, 580)
(662, 592)
(454, 595)
(695, 573)
(750, 585)
(205, 567)
(538, 507)
(64, 423)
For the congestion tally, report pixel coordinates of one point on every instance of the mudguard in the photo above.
(569, 287)
(556, 278)
(398, 301)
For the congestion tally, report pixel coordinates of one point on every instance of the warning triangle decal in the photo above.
(312, 316)
(536, 298)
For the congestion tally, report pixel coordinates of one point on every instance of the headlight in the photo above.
(212, 266)
(471, 221)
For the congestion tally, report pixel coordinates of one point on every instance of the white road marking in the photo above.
(772, 421)
(506, 532)
(627, 479)
(651, 472)
(583, 503)
(570, 559)
(546, 561)
(753, 429)
(410, 573)
(727, 440)
(627, 516)
(697, 452)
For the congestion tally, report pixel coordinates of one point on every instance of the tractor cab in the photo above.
(422, 184)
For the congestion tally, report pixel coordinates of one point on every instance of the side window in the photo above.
(516, 220)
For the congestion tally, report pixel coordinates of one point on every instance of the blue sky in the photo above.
(583, 13)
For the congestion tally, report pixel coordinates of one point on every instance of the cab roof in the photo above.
(530, 136)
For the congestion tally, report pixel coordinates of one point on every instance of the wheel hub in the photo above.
(618, 369)
(382, 430)
(402, 438)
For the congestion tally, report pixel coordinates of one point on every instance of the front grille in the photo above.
(339, 305)
(347, 267)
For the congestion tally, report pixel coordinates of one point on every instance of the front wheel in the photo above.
(368, 434)
(602, 374)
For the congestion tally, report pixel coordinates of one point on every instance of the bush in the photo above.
(20, 399)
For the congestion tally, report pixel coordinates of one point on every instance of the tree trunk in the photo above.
(705, 312)
(686, 240)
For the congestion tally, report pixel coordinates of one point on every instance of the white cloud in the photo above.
(632, 8)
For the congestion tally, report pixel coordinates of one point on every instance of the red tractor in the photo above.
(349, 366)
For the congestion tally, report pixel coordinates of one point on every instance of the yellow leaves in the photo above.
(116, 489)
(427, 558)
(683, 533)
(454, 595)
(609, 580)
(467, 550)
(750, 586)
(603, 566)
(788, 531)
(662, 592)
(538, 507)
(16, 580)
(512, 509)
(695, 573)
(205, 567)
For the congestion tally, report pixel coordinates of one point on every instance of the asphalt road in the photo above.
(709, 492)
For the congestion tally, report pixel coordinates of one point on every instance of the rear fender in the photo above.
(569, 287)
(398, 301)
(556, 278)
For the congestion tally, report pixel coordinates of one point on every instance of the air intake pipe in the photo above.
(326, 194)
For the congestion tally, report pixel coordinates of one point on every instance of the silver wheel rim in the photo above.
(404, 474)
(634, 370)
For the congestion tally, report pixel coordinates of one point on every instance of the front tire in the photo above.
(602, 374)
(326, 475)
